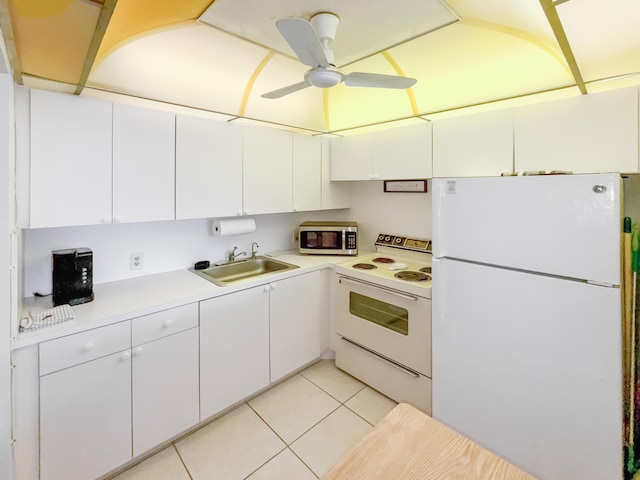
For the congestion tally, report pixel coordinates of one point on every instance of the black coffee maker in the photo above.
(72, 276)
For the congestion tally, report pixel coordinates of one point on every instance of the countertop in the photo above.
(125, 299)
(410, 445)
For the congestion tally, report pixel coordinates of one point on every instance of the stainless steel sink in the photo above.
(229, 273)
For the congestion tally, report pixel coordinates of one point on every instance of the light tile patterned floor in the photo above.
(295, 431)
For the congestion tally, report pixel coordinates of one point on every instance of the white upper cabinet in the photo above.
(587, 134)
(352, 157)
(396, 153)
(267, 171)
(403, 152)
(70, 178)
(208, 168)
(477, 145)
(143, 164)
(307, 173)
(334, 194)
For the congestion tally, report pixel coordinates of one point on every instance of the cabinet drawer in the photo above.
(158, 325)
(79, 348)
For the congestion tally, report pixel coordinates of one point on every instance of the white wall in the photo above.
(166, 246)
(5, 275)
(377, 211)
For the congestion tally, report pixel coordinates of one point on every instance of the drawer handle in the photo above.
(126, 355)
(167, 323)
(89, 346)
(138, 351)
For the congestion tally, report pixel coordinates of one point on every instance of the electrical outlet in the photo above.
(137, 260)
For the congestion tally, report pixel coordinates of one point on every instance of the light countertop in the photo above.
(125, 299)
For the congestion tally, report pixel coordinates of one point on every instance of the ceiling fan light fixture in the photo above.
(323, 78)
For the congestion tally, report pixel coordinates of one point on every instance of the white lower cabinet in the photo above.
(297, 310)
(85, 419)
(165, 389)
(234, 348)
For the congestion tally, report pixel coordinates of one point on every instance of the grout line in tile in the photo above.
(295, 439)
(173, 444)
(271, 458)
(303, 462)
(328, 393)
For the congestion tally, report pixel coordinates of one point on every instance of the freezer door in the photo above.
(566, 225)
(529, 367)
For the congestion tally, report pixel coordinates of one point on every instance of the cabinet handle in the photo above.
(138, 351)
(106, 220)
(117, 220)
(267, 288)
(126, 355)
(375, 176)
(89, 346)
(239, 213)
(245, 212)
(167, 323)
(295, 209)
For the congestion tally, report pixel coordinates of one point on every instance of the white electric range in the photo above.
(383, 319)
(399, 263)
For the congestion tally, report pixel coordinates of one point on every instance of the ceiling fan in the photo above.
(310, 42)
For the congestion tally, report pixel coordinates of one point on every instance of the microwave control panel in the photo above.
(351, 240)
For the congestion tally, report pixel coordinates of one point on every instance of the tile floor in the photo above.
(296, 431)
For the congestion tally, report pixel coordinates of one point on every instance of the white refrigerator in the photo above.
(527, 319)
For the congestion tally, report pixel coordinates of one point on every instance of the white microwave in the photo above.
(328, 238)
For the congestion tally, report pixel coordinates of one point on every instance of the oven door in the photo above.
(391, 323)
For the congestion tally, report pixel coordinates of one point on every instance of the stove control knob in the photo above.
(381, 237)
(387, 238)
(398, 240)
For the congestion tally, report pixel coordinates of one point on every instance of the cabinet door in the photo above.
(165, 389)
(298, 310)
(351, 157)
(85, 419)
(403, 152)
(587, 134)
(143, 164)
(267, 171)
(307, 173)
(208, 168)
(234, 348)
(334, 194)
(476, 145)
(70, 160)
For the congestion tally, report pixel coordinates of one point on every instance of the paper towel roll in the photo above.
(233, 226)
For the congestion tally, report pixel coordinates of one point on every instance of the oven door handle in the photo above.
(383, 359)
(388, 290)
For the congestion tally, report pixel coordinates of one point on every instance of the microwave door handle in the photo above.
(344, 239)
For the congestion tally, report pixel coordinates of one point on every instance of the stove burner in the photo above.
(411, 276)
(364, 266)
(426, 269)
(383, 260)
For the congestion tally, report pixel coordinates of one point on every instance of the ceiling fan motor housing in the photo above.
(323, 77)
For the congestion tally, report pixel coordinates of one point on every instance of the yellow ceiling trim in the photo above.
(106, 11)
(133, 17)
(396, 67)
(252, 81)
(563, 41)
(102, 54)
(10, 43)
(514, 32)
(325, 108)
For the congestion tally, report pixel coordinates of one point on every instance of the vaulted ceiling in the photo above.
(222, 56)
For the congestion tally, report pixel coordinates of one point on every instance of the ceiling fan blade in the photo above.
(281, 92)
(304, 41)
(360, 79)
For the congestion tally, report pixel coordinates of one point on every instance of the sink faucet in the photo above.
(233, 255)
(254, 251)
